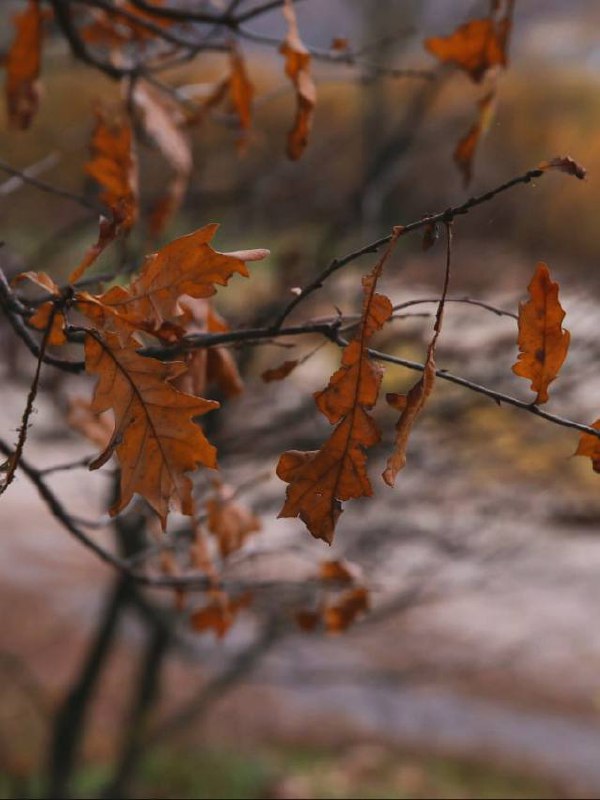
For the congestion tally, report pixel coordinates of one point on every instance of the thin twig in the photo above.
(26, 177)
(443, 216)
(13, 460)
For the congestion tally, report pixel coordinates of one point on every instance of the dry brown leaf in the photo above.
(23, 63)
(339, 571)
(341, 615)
(41, 317)
(589, 446)
(467, 146)
(297, 68)
(113, 166)
(543, 342)
(219, 615)
(565, 164)
(230, 522)
(155, 438)
(108, 231)
(161, 118)
(241, 93)
(185, 266)
(478, 45)
(280, 372)
(320, 480)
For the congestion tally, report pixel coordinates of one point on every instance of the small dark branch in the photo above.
(62, 15)
(141, 22)
(26, 177)
(500, 312)
(148, 683)
(69, 465)
(498, 397)
(182, 14)
(443, 216)
(345, 57)
(14, 310)
(13, 460)
(238, 669)
(70, 721)
(14, 183)
(195, 341)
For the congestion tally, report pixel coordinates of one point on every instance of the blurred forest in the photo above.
(477, 671)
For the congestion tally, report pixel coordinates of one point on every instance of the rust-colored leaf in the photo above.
(341, 615)
(108, 230)
(297, 68)
(23, 66)
(589, 446)
(155, 438)
(543, 342)
(229, 521)
(280, 372)
(410, 406)
(111, 29)
(565, 164)
(241, 93)
(467, 146)
(320, 480)
(185, 266)
(161, 119)
(113, 166)
(339, 571)
(478, 45)
(308, 621)
(41, 317)
(219, 615)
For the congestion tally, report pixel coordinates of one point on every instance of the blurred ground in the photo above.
(493, 669)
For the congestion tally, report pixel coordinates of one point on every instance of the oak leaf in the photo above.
(543, 342)
(477, 45)
(297, 68)
(241, 94)
(341, 615)
(589, 446)
(467, 146)
(220, 614)
(320, 480)
(113, 165)
(229, 522)
(46, 311)
(23, 66)
(185, 266)
(155, 438)
(280, 372)
(565, 164)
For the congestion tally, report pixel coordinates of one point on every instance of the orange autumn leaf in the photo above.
(589, 446)
(113, 166)
(467, 146)
(228, 521)
(339, 571)
(297, 68)
(23, 66)
(46, 311)
(342, 614)
(219, 615)
(155, 438)
(410, 406)
(320, 480)
(185, 266)
(477, 45)
(107, 233)
(241, 93)
(543, 342)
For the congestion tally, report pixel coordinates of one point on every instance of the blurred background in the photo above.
(477, 671)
